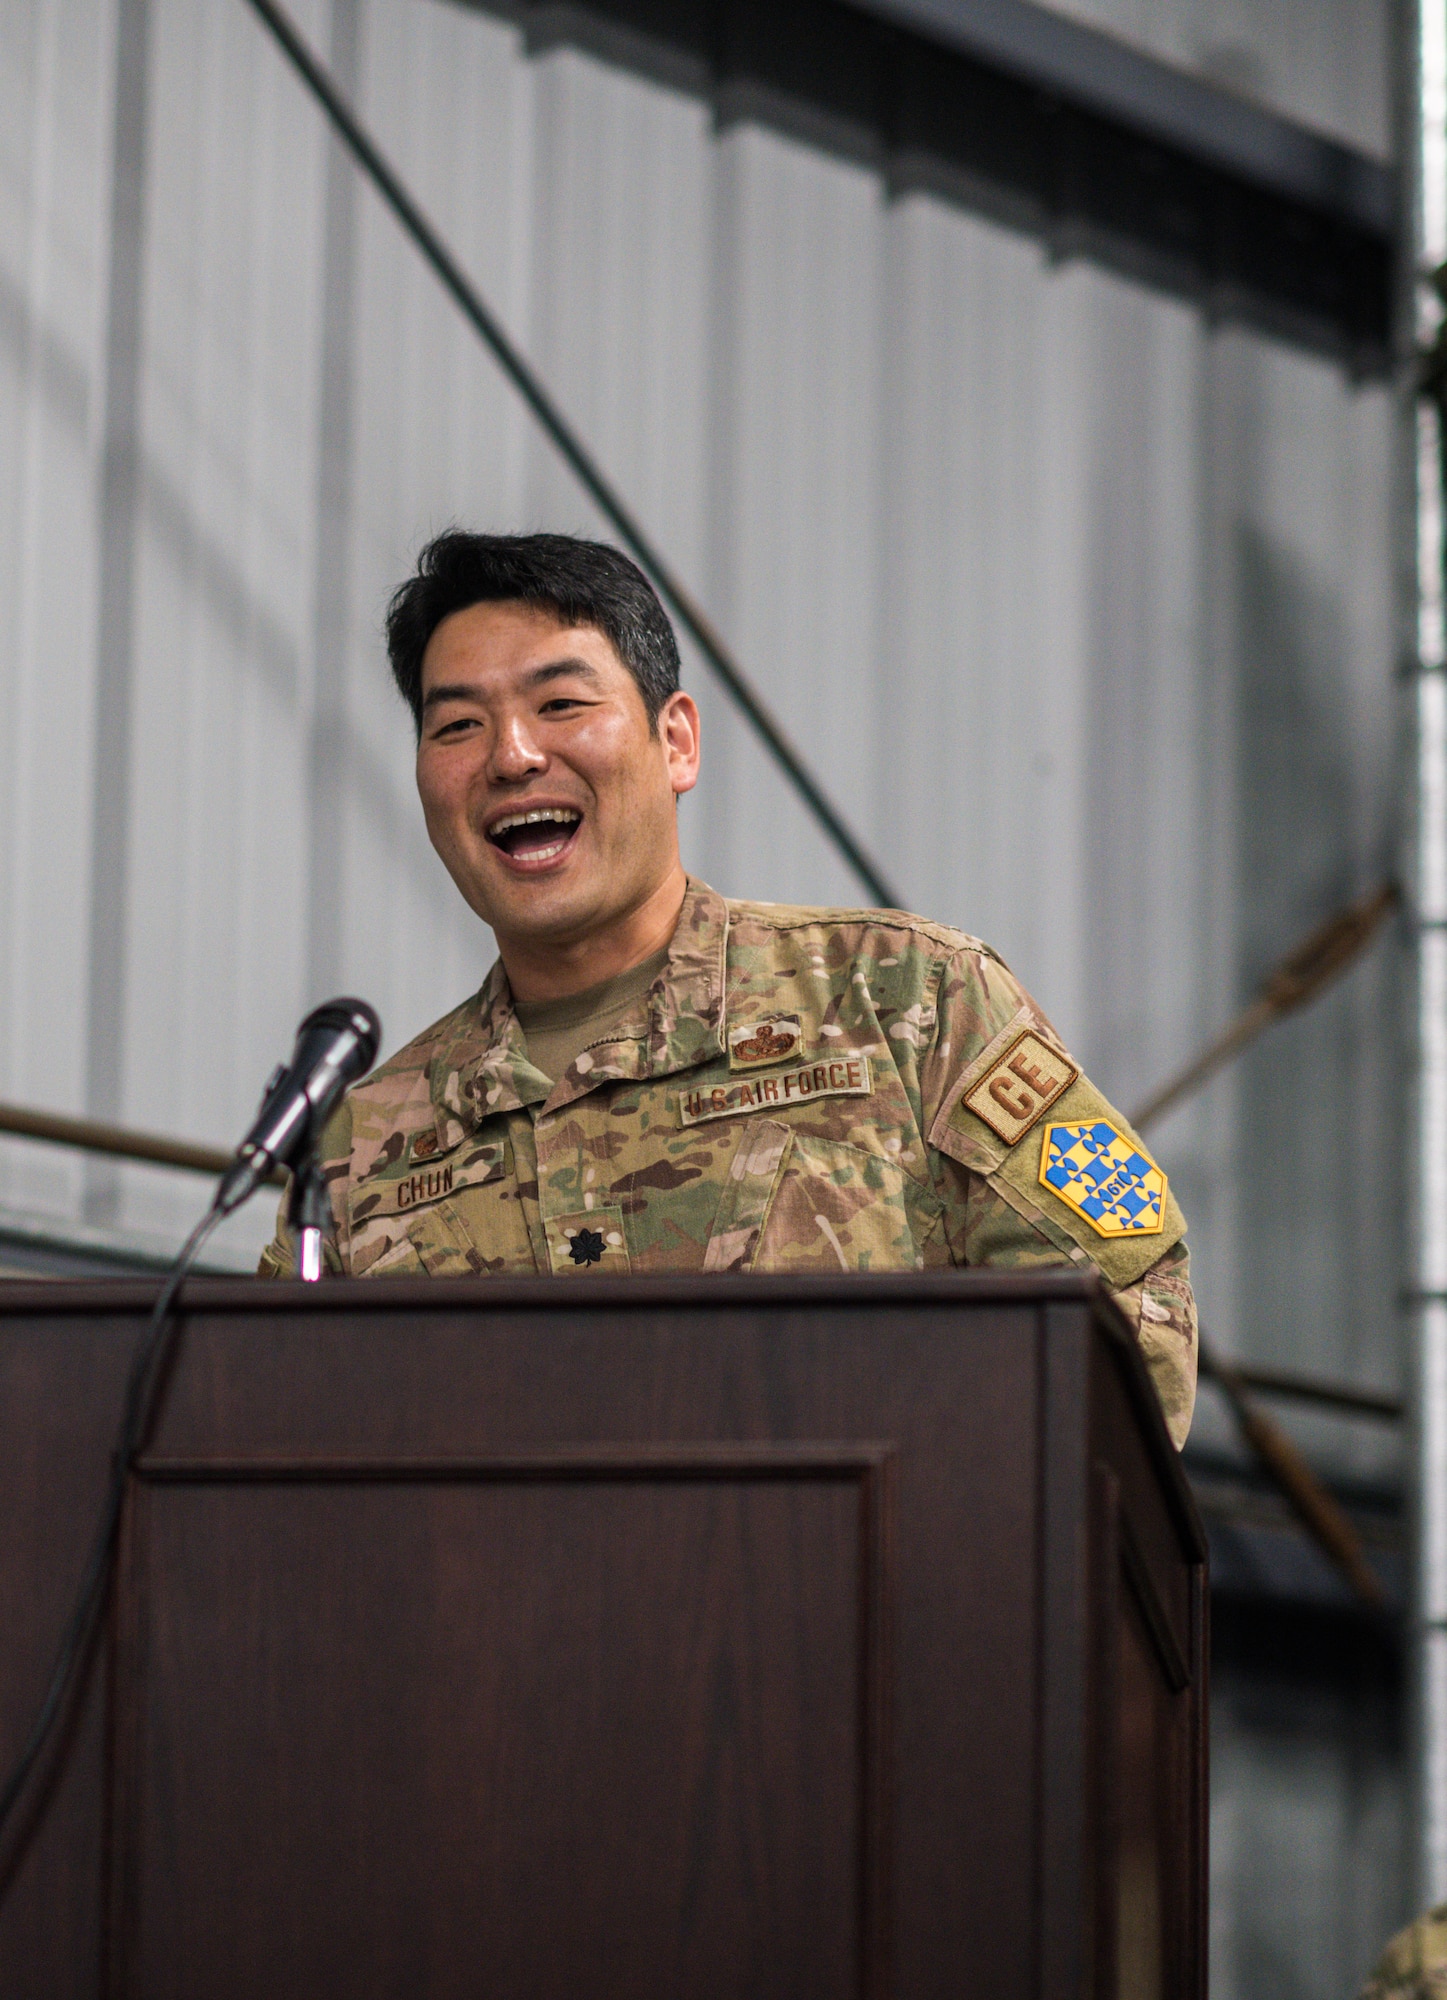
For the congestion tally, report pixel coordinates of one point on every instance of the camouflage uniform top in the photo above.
(798, 1090)
(1414, 1964)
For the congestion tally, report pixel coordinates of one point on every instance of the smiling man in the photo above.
(654, 1079)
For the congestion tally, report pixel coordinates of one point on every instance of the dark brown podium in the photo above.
(658, 1639)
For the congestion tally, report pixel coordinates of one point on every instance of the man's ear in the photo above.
(678, 731)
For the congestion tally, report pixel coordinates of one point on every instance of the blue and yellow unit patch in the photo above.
(1105, 1177)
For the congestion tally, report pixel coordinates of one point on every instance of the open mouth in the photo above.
(533, 839)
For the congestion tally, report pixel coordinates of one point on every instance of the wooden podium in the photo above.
(647, 1639)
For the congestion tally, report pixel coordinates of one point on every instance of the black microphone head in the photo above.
(340, 1014)
(335, 1045)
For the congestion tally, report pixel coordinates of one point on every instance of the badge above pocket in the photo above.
(754, 1044)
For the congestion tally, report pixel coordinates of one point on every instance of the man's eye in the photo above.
(560, 702)
(456, 726)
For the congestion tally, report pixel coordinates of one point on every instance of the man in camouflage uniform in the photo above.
(654, 1079)
(1414, 1964)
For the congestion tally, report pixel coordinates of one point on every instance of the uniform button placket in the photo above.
(542, 1132)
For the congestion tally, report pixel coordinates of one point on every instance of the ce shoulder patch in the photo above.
(1084, 1180)
(1020, 1086)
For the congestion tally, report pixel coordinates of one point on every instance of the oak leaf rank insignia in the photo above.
(1105, 1177)
(586, 1246)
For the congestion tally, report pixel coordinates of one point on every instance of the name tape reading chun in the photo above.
(418, 1189)
(837, 1076)
(398, 1196)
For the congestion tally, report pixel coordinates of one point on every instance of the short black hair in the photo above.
(581, 583)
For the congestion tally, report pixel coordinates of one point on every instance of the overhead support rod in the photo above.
(385, 179)
(1306, 1494)
(120, 1142)
(1315, 962)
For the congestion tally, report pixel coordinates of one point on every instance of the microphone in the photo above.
(335, 1044)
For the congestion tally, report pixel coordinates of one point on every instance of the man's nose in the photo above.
(515, 751)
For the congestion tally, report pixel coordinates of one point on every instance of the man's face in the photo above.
(545, 792)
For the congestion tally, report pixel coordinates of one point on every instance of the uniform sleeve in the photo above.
(1161, 1308)
(278, 1259)
(1037, 1168)
(1414, 1964)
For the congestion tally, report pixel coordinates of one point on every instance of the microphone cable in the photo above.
(147, 1372)
(335, 1044)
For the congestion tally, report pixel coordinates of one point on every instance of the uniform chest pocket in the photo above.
(839, 1207)
(422, 1215)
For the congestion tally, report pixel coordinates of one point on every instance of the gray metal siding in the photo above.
(1083, 612)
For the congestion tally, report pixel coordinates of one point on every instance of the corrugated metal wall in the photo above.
(1082, 609)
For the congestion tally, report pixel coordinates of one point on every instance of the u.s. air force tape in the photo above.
(835, 1076)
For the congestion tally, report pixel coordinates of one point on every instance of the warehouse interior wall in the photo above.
(1084, 610)
(1323, 63)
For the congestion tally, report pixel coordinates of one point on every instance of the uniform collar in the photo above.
(483, 1070)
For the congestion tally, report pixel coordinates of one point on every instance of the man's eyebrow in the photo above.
(460, 691)
(557, 670)
(537, 677)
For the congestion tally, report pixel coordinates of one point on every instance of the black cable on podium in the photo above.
(336, 1044)
(148, 1370)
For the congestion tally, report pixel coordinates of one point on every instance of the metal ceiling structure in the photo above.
(1052, 128)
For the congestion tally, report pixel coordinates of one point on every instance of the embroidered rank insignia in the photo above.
(754, 1043)
(1025, 1082)
(590, 1239)
(1105, 1178)
(586, 1246)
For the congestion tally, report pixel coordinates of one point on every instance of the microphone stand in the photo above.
(308, 1215)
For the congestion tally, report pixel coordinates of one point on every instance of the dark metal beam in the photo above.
(1047, 127)
(1343, 1399)
(1101, 73)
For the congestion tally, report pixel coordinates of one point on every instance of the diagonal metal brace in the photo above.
(383, 176)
